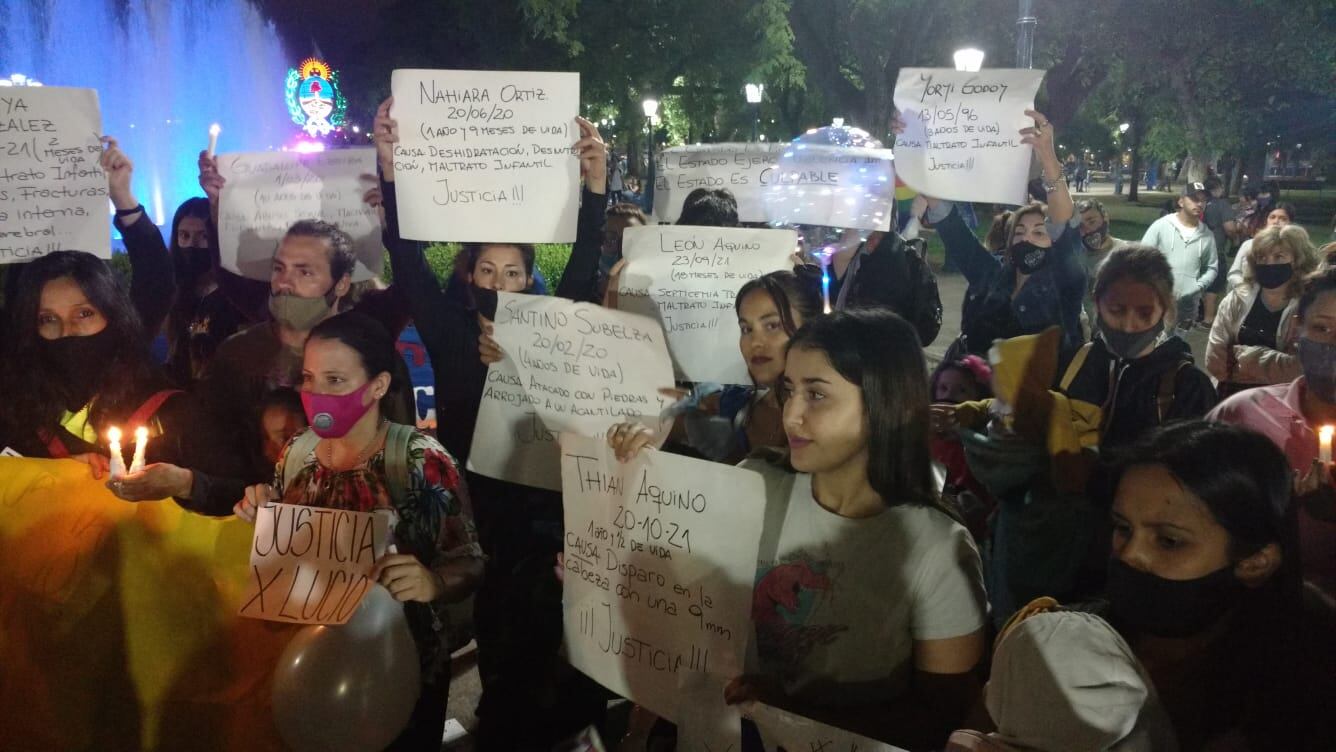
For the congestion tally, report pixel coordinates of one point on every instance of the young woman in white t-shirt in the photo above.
(869, 603)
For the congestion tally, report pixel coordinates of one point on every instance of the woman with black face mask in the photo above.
(1292, 414)
(1136, 369)
(1039, 281)
(1254, 336)
(1203, 583)
(518, 608)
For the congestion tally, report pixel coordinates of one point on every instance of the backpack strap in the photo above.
(150, 407)
(1164, 395)
(302, 445)
(396, 460)
(1074, 367)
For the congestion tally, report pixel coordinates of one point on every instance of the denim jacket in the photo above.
(1051, 296)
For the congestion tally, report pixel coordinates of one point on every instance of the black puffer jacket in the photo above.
(1138, 395)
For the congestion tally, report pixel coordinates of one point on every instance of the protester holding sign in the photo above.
(519, 526)
(1040, 281)
(353, 458)
(869, 605)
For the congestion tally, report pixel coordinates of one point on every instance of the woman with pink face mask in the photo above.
(347, 460)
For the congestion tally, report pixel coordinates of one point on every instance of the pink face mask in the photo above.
(332, 416)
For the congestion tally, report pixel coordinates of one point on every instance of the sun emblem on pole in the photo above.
(314, 99)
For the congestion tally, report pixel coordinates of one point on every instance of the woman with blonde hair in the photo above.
(1254, 336)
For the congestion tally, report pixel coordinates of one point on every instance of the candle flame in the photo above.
(1325, 432)
(114, 434)
(215, 129)
(141, 434)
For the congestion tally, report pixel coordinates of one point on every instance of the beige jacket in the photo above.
(1251, 364)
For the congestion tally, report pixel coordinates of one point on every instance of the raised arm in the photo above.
(962, 247)
(443, 325)
(1041, 138)
(579, 281)
(152, 281)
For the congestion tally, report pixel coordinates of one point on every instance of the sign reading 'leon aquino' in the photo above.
(962, 132)
(267, 192)
(311, 565)
(53, 193)
(487, 156)
(660, 557)
(688, 278)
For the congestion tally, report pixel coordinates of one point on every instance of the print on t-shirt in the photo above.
(785, 596)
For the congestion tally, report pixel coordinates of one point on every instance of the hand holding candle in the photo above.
(1324, 444)
(141, 443)
(214, 130)
(117, 459)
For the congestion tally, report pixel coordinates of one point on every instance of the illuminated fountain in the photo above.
(164, 70)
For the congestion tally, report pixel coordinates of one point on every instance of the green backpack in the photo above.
(459, 632)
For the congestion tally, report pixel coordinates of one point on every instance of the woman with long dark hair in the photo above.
(1204, 582)
(892, 613)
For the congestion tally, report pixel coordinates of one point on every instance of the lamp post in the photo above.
(1025, 22)
(651, 109)
(755, 92)
(969, 59)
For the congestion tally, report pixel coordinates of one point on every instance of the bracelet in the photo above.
(1048, 187)
(128, 212)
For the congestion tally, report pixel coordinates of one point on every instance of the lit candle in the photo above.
(214, 130)
(1324, 444)
(141, 442)
(117, 459)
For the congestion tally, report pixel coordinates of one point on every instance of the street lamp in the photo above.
(1122, 127)
(755, 92)
(651, 109)
(969, 59)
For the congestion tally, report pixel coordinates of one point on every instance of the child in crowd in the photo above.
(954, 382)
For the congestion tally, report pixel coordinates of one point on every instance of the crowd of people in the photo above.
(1068, 536)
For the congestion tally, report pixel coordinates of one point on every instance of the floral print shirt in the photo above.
(434, 519)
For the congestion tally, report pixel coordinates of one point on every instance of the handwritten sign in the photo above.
(781, 730)
(688, 279)
(267, 192)
(744, 169)
(660, 556)
(311, 565)
(53, 194)
(510, 440)
(487, 156)
(961, 138)
(582, 366)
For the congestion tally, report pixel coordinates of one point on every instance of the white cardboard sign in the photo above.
(311, 565)
(266, 192)
(688, 279)
(487, 156)
(510, 440)
(660, 557)
(53, 194)
(962, 132)
(583, 367)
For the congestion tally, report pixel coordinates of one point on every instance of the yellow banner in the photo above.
(118, 626)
